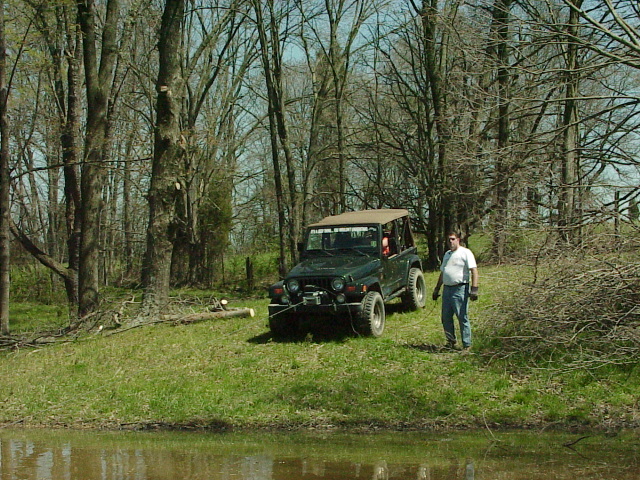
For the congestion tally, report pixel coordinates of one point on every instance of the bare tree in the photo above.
(609, 30)
(169, 149)
(5, 183)
(412, 116)
(614, 20)
(270, 39)
(502, 178)
(62, 43)
(219, 51)
(99, 71)
(329, 57)
(61, 38)
(582, 55)
(569, 192)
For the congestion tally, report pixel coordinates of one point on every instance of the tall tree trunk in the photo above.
(165, 188)
(127, 223)
(316, 146)
(98, 80)
(568, 220)
(5, 184)
(271, 62)
(53, 217)
(502, 169)
(280, 202)
(440, 211)
(283, 131)
(63, 45)
(69, 142)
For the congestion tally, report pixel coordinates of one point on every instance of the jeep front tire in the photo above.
(372, 317)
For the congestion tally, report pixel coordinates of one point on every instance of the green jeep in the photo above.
(351, 265)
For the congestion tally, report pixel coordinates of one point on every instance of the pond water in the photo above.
(57, 455)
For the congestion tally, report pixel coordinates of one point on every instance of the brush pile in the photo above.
(583, 313)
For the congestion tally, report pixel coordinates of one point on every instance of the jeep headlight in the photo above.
(337, 284)
(293, 285)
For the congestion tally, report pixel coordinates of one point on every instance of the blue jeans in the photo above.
(455, 301)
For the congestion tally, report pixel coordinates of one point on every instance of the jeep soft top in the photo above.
(380, 216)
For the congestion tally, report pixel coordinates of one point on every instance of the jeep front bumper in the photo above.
(310, 306)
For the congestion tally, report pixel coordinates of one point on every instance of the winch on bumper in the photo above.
(316, 300)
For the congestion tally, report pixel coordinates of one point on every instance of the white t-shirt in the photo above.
(456, 266)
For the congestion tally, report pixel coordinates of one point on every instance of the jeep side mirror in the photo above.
(300, 247)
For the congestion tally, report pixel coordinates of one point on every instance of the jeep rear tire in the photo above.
(416, 295)
(371, 319)
(283, 324)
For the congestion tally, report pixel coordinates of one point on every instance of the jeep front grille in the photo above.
(323, 283)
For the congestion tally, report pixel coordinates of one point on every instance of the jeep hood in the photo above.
(338, 265)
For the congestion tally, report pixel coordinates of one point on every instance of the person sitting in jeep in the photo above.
(347, 272)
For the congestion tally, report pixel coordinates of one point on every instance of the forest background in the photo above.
(158, 144)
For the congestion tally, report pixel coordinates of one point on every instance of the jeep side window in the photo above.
(407, 236)
(391, 239)
(401, 235)
(399, 229)
(386, 250)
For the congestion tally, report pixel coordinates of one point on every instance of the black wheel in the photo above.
(416, 295)
(283, 324)
(371, 319)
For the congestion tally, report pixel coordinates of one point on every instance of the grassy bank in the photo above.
(231, 373)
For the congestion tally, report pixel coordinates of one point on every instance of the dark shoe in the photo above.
(450, 346)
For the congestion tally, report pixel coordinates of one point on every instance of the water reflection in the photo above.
(57, 455)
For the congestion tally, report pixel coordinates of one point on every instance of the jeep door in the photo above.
(391, 264)
(392, 275)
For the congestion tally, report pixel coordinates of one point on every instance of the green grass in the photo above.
(34, 317)
(230, 372)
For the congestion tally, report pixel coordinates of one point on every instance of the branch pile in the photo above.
(16, 342)
(125, 316)
(585, 313)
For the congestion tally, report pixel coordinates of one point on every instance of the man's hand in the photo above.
(473, 295)
(435, 294)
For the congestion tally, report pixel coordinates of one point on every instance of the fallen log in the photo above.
(200, 317)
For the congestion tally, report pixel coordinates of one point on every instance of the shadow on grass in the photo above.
(431, 348)
(396, 307)
(323, 329)
(319, 330)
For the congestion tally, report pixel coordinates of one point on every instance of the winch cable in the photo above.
(423, 314)
(258, 320)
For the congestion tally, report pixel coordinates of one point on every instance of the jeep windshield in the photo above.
(341, 240)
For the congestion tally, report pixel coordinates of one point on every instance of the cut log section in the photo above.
(201, 317)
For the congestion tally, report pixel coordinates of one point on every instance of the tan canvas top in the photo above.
(380, 216)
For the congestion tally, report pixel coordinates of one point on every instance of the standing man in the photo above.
(459, 274)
